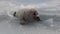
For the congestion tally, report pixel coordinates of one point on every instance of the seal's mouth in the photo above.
(37, 18)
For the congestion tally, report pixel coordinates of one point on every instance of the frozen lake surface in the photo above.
(49, 11)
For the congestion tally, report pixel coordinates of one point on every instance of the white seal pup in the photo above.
(27, 15)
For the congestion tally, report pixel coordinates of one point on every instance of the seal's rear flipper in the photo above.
(14, 14)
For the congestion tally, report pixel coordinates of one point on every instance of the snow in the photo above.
(49, 14)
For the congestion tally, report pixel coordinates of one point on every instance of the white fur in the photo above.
(27, 13)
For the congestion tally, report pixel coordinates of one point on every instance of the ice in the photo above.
(49, 12)
(49, 22)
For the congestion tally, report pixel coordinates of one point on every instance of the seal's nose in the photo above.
(37, 18)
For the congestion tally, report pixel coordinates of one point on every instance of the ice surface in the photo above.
(48, 12)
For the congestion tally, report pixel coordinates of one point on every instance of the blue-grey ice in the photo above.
(49, 12)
